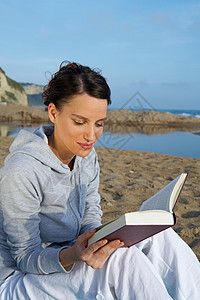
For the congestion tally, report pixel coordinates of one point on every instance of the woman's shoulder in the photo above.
(21, 160)
(21, 165)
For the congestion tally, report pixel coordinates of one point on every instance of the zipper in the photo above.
(76, 165)
(77, 223)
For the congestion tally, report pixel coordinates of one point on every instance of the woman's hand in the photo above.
(95, 255)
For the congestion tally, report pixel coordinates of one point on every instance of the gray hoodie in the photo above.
(43, 205)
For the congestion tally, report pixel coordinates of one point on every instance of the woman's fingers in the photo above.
(101, 256)
(88, 252)
(96, 254)
(94, 247)
(109, 248)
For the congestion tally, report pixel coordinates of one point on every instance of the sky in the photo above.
(149, 51)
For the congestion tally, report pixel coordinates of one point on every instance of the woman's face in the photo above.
(77, 126)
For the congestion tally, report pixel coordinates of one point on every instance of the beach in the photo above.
(129, 177)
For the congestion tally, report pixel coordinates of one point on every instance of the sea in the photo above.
(178, 143)
(181, 112)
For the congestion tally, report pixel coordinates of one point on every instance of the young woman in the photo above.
(49, 208)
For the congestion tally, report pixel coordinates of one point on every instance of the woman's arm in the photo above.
(20, 207)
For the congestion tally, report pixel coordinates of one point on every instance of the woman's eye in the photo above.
(82, 123)
(99, 124)
(78, 123)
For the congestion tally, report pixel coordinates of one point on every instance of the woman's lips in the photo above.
(86, 146)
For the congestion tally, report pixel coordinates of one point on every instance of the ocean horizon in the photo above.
(194, 113)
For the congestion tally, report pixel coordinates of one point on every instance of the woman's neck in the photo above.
(65, 159)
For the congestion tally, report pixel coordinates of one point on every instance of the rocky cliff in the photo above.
(11, 92)
(34, 93)
(32, 89)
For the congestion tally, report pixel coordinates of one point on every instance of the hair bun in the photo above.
(72, 79)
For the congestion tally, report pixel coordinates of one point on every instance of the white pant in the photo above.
(161, 267)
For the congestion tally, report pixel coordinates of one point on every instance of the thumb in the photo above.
(86, 235)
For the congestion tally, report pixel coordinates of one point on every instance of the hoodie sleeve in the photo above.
(93, 212)
(20, 206)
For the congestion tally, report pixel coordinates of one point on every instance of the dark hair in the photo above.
(73, 79)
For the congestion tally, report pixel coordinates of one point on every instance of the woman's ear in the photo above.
(52, 111)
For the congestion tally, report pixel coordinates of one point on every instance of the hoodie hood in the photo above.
(36, 145)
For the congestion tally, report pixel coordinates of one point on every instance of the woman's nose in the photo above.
(89, 133)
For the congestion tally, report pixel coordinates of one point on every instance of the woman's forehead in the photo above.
(85, 101)
(86, 106)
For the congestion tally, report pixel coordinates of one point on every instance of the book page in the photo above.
(161, 200)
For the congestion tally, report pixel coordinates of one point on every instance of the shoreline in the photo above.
(128, 177)
(118, 120)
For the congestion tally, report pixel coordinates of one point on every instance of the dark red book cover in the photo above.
(133, 234)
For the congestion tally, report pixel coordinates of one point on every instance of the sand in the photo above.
(129, 177)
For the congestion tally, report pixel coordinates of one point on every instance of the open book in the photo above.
(155, 215)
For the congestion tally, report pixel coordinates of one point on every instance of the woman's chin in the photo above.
(84, 152)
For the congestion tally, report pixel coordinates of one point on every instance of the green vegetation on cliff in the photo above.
(10, 96)
(11, 92)
(15, 85)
